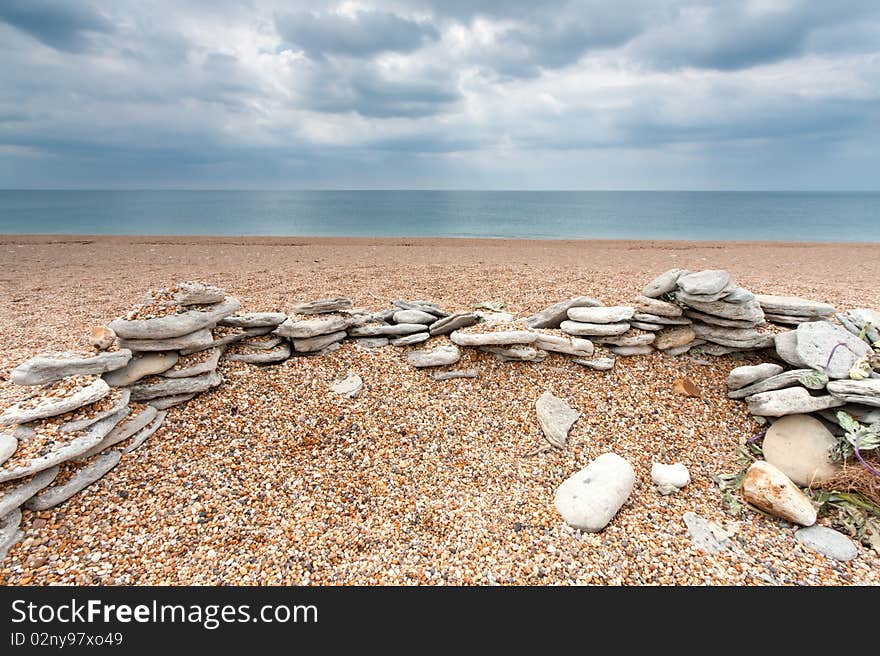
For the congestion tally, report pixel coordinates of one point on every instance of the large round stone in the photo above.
(799, 445)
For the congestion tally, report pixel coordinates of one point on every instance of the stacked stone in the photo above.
(833, 372)
(318, 327)
(862, 322)
(792, 310)
(724, 317)
(611, 327)
(174, 343)
(257, 342)
(55, 441)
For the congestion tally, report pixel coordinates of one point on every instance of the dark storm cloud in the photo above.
(363, 34)
(436, 93)
(61, 25)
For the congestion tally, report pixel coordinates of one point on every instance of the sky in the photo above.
(434, 94)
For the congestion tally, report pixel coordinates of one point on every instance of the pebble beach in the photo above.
(268, 479)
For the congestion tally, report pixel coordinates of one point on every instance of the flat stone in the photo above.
(735, 337)
(866, 392)
(516, 353)
(589, 499)
(675, 475)
(423, 306)
(643, 339)
(554, 315)
(76, 447)
(828, 542)
(296, 328)
(8, 446)
(174, 325)
(498, 338)
(102, 338)
(630, 351)
(706, 535)
(657, 307)
(674, 337)
(56, 494)
(597, 364)
(664, 283)
(205, 367)
(800, 447)
(140, 366)
(494, 317)
(702, 317)
(788, 378)
(738, 295)
(816, 341)
(564, 344)
(319, 343)
(50, 406)
(262, 345)
(718, 350)
(255, 320)
(711, 281)
(165, 402)
(10, 534)
(743, 376)
(458, 373)
(642, 325)
(349, 387)
(122, 431)
(792, 305)
(15, 495)
(197, 293)
(384, 330)
(372, 342)
(47, 369)
(453, 322)
(594, 329)
(195, 341)
(768, 489)
(555, 417)
(703, 298)
(438, 357)
(174, 386)
(323, 305)
(226, 340)
(263, 356)
(604, 315)
(413, 316)
(788, 320)
(789, 401)
(862, 319)
(662, 321)
(76, 425)
(141, 437)
(750, 311)
(408, 340)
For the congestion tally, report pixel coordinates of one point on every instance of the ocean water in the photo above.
(722, 216)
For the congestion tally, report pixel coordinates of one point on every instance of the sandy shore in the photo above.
(270, 480)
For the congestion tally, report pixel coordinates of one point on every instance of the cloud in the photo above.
(578, 93)
(61, 25)
(356, 35)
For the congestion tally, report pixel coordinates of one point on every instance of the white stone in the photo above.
(440, 356)
(175, 325)
(612, 314)
(768, 489)
(554, 315)
(743, 376)
(350, 386)
(52, 406)
(664, 283)
(800, 447)
(789, 401)
(49, 368)
(564, 344)
(498, 338)
(593, 329)
(817, 339)
(556, 418)
(709, 282)
(827, 542)
(589, 499)
(675, 475)
(413, 316)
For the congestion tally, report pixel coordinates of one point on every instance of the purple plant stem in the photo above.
(831, 355)
(756, 437)
(862, 460)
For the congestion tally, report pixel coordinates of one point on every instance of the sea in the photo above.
(662, 215)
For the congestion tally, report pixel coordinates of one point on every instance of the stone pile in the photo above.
(800, 405)
(410, 322)
(716, 314)
(792, 310)
(318, 327)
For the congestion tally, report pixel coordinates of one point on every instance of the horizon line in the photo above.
(444, 189)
